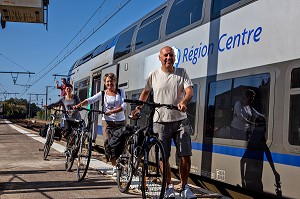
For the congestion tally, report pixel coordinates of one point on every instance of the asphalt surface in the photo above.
(24, 173)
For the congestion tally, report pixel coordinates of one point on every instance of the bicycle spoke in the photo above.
(153, 178)
(71, 151)
(84, 156)
(48, 142)
(124, 167)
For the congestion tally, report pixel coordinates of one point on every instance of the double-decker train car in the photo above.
(226, 46)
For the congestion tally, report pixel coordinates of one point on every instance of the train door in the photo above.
(96, 87)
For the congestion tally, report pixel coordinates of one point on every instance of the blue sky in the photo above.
(30, 47)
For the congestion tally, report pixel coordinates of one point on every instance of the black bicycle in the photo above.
(143, 156)
(79, 144)
(50, 133)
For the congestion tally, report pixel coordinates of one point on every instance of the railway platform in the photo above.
(97, 163)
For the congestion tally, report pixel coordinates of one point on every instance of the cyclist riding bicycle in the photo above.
(67, 102)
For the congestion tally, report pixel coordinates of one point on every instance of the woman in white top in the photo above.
(113, 104)
(244, 117)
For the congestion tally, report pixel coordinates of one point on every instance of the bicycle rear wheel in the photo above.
(84, 155)
(48, 142)
(124, 166)
(153, 174)
(71, 151)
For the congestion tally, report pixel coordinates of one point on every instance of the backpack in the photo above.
(103, 93)
(43, 130)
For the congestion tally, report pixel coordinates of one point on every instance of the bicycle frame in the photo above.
(152, 179)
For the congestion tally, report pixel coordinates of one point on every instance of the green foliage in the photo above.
(40, 114)
(18, 108)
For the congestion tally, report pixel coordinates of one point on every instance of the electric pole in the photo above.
(47, 98)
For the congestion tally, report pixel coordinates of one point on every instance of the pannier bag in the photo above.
(58, 134)
(43, 130)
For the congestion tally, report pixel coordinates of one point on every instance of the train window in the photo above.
(294, 128)
(145, 112)
(220, 5)
(149, 30)
(103, 47)
(123, 45)
(76, 88)
(294, 123)
(86, 58)
(295, 83)
(83, 93)
(153, 17)
(81, 89)
(219, 109)
(222, 98)
(182, 14)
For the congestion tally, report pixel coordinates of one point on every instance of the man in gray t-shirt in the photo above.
(172, 85)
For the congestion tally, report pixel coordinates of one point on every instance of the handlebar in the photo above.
(56, 110)
(91, 110)
(151, 104)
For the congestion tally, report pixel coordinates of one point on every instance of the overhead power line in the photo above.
(94, 30)
(13, 62)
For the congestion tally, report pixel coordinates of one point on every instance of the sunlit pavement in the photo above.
(106, 168)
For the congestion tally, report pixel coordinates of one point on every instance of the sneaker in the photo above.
(112, 171)
(170, 192)
(186, 193)
(114, 174)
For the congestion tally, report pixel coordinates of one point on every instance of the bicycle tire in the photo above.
(125, 167)
(84, 155)
(71, 151)
(153, 182)
(48, 142)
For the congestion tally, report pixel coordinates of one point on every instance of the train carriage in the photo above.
(226, 47)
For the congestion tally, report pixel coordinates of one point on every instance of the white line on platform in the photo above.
(102, 166)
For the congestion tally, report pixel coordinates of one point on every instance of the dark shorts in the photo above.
(108, 125)
(180, 132)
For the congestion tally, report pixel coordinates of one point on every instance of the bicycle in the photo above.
(50, 134)
(79, 144)
(143, 151)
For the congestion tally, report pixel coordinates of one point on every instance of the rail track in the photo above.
(29, 123)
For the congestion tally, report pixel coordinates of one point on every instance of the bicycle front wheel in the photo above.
(154, 175)
(124, 166)
(84, 155)
(71, 151)
(48, 142)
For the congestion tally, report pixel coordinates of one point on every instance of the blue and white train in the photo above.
(226, 46)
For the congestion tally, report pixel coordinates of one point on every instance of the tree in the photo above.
(17, 108)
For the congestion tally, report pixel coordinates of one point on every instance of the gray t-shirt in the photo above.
(67, 105)
(168, 88)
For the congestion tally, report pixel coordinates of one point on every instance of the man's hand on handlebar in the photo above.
(181, 107)
(135, 113)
